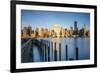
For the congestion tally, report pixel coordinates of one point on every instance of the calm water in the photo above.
(83, 45)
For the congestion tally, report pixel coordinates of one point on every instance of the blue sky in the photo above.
(48, 18)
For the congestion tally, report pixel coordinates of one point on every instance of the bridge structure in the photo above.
(27, 50)
(46, 51)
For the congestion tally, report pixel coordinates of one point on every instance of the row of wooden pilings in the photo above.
(26, 52)
(52, 53)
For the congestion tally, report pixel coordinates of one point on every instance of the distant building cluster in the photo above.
(55, 31)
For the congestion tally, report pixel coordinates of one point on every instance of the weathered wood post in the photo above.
(59, 51)
(45, 52)
(30, 58)
(32, 51)
(77, 54)
(52, 50)
(48, 53)
(41, 45)
(66, 52)
(47, 49)
(55, 53)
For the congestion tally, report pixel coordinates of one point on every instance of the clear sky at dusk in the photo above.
(46, 19)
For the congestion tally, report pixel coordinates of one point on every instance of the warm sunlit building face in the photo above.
(56, 28)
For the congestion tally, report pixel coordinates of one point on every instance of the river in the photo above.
(83, 45)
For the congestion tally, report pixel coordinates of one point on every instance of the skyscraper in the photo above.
(75, 25)
(75, 28)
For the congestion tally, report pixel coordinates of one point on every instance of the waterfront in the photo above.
(83, 45)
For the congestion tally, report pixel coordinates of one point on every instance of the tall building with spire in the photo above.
(75, 28)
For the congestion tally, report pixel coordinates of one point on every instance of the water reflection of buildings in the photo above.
(55, 31)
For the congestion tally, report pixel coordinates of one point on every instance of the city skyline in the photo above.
(46, 19)
(54, 36)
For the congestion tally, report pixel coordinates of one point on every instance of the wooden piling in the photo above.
(77, 54)
(59, 51)
(32, 52)
(55, 53)
(49, 50)
(44, 51)
(45, 54)
(52, 50)
(66, 52)
(48, 53)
